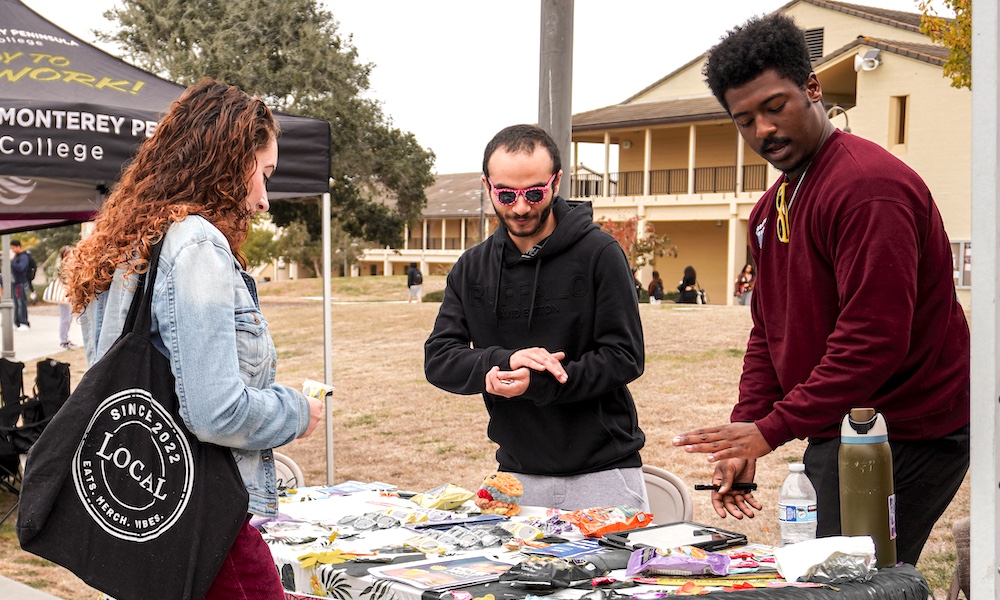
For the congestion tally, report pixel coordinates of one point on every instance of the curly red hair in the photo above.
(198, 162)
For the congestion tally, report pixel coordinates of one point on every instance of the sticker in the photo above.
(892, 517)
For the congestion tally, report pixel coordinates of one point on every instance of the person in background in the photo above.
(20, 274)
(880, 326)
(414, 283)
(543, 321)
(65, 312)
(196, 186)
(743, 289)
(655, 289)
(688, 287)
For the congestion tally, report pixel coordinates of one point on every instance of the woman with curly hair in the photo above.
(196, 185)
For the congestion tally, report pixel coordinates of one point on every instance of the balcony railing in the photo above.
(754, 178)
(707, 180)
(434, 243)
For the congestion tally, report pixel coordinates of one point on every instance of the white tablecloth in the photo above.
(334, 580)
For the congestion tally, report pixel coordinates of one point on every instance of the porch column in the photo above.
(739, 163)
(692, 146)
(605, 181)
(386, 263)
(423, 239)
(444, 232)
(647, 161)
(640, 224)
(574, 190)
(734, 247)
(461, 240)
(406, 236)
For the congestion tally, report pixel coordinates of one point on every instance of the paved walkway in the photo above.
(42, 340)
(12, 590)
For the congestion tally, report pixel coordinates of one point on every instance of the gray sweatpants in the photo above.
(600, 489)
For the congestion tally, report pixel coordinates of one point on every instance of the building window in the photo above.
(814, 42)
(898, 116)
(961, 262)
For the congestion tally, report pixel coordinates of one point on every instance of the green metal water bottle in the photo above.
(867, 494)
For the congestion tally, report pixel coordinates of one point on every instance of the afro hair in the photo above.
(760, 44)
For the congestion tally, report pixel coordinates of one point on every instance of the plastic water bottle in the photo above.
(797, 506)
(867, 497)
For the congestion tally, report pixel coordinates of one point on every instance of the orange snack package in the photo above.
(595, 522)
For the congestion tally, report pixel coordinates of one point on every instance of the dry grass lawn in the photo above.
(391, 425)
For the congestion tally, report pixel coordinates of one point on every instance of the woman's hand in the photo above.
(315, 415)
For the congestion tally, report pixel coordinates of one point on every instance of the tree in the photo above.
(954, 34)
(639, 250)
(261, 247)
(45, 244)
(296, 60)
(296, 245)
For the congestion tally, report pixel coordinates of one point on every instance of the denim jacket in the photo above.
(207, 321)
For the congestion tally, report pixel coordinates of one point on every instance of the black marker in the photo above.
(739, 486)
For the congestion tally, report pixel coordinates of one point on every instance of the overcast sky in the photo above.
(454, 72)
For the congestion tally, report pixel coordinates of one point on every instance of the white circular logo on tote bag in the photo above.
(133, 470)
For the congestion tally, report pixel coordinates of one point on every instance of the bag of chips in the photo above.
(681, 560)
(595, 522)
(447, 496)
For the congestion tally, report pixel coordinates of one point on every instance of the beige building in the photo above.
(458, 212)
(682, 166)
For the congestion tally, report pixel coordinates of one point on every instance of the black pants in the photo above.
(926, 476)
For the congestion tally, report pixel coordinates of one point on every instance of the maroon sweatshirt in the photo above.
(858, 308)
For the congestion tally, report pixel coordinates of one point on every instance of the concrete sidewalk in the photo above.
(12, 590)
(42, 340)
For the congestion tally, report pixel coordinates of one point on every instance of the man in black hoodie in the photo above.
(542, 319)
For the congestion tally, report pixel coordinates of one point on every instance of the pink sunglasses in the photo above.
(532, 195)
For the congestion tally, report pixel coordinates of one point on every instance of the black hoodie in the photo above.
(574, 293)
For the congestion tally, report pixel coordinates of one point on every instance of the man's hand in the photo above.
(733, 440)
(507, 384)
(540, 359)
(736, 503)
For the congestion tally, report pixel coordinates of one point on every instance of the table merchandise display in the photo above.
(359, 541)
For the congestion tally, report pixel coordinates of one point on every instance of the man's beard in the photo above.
(543, 218)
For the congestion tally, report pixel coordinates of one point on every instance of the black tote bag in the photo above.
(118, 491)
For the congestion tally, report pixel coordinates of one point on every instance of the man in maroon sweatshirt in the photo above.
(854, 304)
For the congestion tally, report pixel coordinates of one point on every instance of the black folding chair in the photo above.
(23, 419)
(10, 454)
(11, 382)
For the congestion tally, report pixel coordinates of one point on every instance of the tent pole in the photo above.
(7, 301)
(327, 337)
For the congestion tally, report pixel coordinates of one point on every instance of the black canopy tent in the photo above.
(71, 115)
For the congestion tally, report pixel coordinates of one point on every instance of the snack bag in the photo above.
(445, 497)
(595, 522)
(681, 560)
